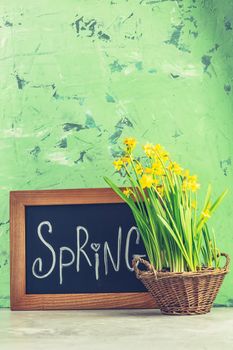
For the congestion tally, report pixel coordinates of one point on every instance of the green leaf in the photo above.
(177, 240)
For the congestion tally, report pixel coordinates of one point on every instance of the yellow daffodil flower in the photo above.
(149, 170)
(158, 148)
(130, 143)
(192, 178)
(127, 192)
(125, 160)
(175, 168)
(139, 168)
(193, 186)
(118, 164)
(194, 204)
(161, 153)
(159, 172)
(164, 156)
(206, 213)
(190, 182)
(146, 181)
(190, 185)
(186, 173)
(158, 168)
(184, 185)
(160, 189)
(149, 150)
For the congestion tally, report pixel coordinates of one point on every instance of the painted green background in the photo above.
(79, 75)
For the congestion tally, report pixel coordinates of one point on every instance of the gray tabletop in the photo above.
(115, 329)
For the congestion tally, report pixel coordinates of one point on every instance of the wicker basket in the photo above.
(186, 293)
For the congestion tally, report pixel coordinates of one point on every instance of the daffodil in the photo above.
(127, 192)
(161, 153)
(160, 190)
(130, 143)
(206, 213)
(194, 204)
(190, 182)
(125, 160)
(139, 168)
(184, 185)
(164, 156)
(190, 185)
(159, 171)
(192, 178)
(186, 173)
(193, 186)
(175, 168)
(146, 181)
(158, 148)
(149, 170)
(158, 168)
(118, 164)
(149, 150)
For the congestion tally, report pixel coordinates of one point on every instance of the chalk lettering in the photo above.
(96, 247)
(128, 238)
(92, 253)
(80, 249)
(63, 264)
(107, 252)
(39, 260)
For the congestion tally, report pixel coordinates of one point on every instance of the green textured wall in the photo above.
(78, 75)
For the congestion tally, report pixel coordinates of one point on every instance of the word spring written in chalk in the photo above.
(82, 243)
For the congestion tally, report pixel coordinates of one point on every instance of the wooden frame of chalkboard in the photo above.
(20, 300)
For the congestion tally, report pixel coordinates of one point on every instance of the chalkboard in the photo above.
(73, 249)
(82, 248)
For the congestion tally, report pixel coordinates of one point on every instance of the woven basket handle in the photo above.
(138, 260)
(226, 266)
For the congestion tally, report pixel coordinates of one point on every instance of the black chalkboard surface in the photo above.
(82, 248)
(73, 249)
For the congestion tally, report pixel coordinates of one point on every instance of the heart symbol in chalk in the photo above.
(95, 246)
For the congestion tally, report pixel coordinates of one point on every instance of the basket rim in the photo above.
(185, 274)
(151, 272)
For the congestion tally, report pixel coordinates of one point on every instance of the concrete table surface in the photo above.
(115, 329)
